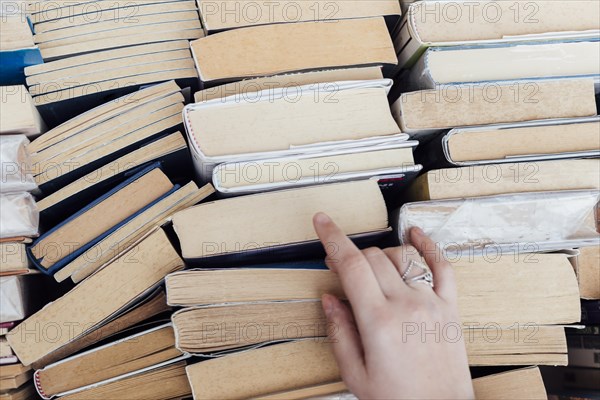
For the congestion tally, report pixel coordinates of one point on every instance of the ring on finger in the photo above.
(425, 277)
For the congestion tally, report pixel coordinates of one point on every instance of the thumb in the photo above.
(345, 340)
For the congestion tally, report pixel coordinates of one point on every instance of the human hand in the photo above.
(400, 339)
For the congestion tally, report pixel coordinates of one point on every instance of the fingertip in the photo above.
(417, 236)
(320, 219)
(415, 230)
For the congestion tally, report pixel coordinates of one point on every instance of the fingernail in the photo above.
(328, 302)
(418, 231)
(322, 218)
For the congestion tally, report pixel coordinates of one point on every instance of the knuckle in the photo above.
(371, 252)
(353, 261)
(383, 316)
(424, 310)
(395, 253)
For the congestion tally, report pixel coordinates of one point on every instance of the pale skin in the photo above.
(381, 342)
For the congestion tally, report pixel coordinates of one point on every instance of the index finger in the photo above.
(343, 257)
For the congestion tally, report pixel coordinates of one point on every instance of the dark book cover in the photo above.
(70, 257)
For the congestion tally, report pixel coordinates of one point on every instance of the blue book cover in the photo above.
(13, 63)
(70, 257)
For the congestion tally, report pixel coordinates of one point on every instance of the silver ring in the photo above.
(426, 277)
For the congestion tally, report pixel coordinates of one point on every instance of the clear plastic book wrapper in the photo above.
(20, 216)
(524, 222)
(14, 159)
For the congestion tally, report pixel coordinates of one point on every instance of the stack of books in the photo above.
(93, 311)
(325, 116)
(315, 375)
(293, 37)
(161, 170)
(96, 51)
(508, 114)
(106, 183)
(482, 34)
(286, 299)
(581, 375)
(66, 30)
(21, 289)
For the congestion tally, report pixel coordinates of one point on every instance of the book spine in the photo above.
(38, 386)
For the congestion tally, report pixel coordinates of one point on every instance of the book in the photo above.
(456, 65)
(17, 33)
(326, 117)
(14, 161)
(437, 23)
(9, 360)
(263, 371)
(521, 222)
(587, 268)
(13, 259)
(5, 327)
(171, 150)
(92, 303)
(264, 50)
(494, 179)
(98, 11)
(286, 301)
(17, 48)
(524, 141)
(274, 227)
(83, 63)
(368, 162)
(283, 371)
(24, 392)
(130, 233)
(151, 306)
(219, 329)
(127, 27)
(11, 371)
(15, 381)
(522, 383)
(96, 78)
(427, 111)
(104, 134)
(248, 89)
(20, 217)
(64, 15)
(71, 238)
(260, 285)
(232, 14)
(5, 350)
(322, 391)
(200, 330)
(290, 285)
(19, 116)
(135, 352)
(163, 381)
